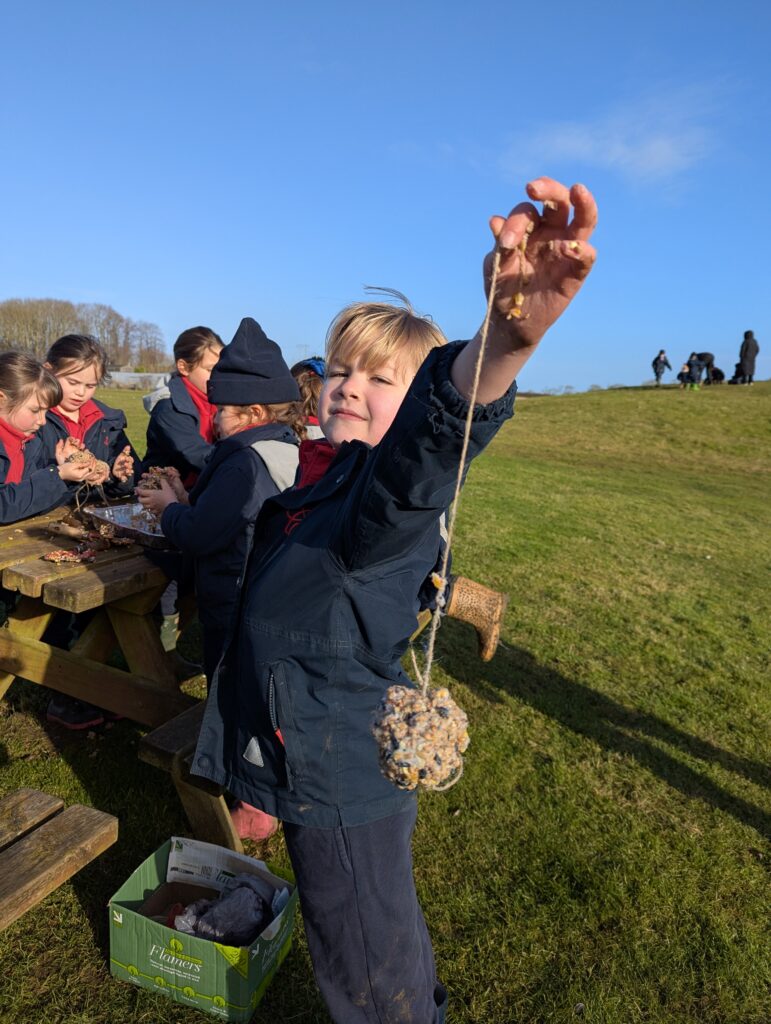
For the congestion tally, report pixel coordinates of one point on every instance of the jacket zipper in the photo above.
(277, 729)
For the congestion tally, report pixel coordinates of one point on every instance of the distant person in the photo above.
(684, 376)
(659, 364)
(748, 353)
(180, 433)
(708, 361)
(695, 370)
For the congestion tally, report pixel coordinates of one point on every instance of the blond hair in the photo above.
(376, 333)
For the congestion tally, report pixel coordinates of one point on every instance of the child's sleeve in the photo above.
(409, 478)
(43, 490)
(177, 436)
(223, 510)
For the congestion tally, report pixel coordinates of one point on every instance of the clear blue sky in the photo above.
(192, 162)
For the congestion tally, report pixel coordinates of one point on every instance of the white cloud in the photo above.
(653, 140)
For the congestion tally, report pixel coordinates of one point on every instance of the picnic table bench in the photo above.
(42, 845)
(123, 587)
(170, 747)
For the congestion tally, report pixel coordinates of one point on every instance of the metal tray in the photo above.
(125, 519)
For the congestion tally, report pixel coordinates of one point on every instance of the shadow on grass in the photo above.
(613, 726)
(105, 764)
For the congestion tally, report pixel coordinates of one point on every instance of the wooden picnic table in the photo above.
(124, 587)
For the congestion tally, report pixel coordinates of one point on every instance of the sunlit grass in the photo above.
(607, 845)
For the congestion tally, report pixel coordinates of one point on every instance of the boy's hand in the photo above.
(158, 499)
(544, 260)
(123, 466)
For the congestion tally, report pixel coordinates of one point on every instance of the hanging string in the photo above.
(422, 734)
(425, 675)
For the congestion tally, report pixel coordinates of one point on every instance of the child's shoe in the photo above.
(252, 823)
(73, 714)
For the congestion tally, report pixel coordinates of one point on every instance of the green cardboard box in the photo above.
(226, 981)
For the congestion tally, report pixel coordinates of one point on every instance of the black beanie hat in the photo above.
(251, 371)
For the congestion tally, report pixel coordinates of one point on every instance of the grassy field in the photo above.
(605, 857)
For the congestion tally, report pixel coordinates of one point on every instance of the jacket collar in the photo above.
(236, 442)
(351, 455)
(180, 397)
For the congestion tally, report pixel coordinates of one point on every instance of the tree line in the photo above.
(32, 325)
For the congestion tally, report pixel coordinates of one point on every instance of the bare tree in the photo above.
(32, 325)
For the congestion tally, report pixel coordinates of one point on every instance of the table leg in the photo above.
(140, 642)
(30, 619)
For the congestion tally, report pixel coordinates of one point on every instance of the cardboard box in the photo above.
(226, 981)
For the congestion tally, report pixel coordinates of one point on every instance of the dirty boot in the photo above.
(481, 607)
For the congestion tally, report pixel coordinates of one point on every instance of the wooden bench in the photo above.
(42, 845)
(170, 747)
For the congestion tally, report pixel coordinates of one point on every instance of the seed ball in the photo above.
(421, 738)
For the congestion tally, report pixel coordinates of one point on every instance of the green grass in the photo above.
(607, 845)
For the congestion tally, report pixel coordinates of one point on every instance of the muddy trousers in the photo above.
(369, 944)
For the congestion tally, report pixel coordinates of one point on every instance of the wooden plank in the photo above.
(142, 603)
(28, 527)
(22, 550)
(208, 814)
(23, 810)
(170, 748)
(30, 619)
(140, 642)
(98, 640)
(102, 584)
(136, 698)
(31, 577)
(37, 864)
(160, 746)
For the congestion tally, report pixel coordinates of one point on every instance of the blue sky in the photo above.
(197, 162)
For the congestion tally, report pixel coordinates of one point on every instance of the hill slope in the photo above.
(605, 855)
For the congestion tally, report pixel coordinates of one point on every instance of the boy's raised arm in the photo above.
(544, 258)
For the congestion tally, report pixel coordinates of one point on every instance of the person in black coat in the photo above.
(707, 360)
(695, 370)
(180, 432)
(30, 482)
(659, 364)
(258, 420)
(79, 363)
(748, 353)
(330, 600)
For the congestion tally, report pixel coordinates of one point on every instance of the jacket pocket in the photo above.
(282, 721)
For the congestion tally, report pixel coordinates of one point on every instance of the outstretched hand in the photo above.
(544, 259)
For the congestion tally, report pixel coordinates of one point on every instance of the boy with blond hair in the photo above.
(330, 598)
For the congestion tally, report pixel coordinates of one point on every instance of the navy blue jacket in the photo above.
(106, 439)
(41, 488)
(173, 433)
(217, 527)
(329, 604)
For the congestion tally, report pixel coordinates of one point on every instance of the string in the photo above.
(425, 676)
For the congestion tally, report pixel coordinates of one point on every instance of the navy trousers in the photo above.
(368, 941)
